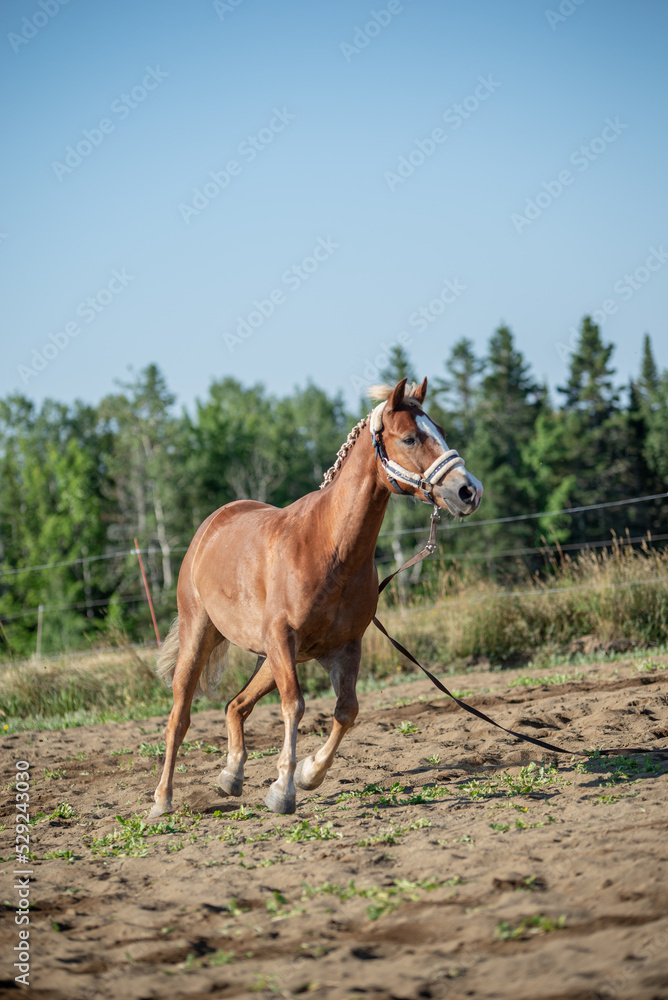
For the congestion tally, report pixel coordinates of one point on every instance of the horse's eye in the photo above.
(408, 440)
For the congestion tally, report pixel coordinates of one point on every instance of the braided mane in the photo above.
(343, 451)
(377, 393)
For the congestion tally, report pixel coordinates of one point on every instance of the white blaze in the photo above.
(428, 427)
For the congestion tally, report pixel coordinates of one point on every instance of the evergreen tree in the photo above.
(648, 424)
(456, 394)
(599, 437)
(656, 440)
(508, 405)
(547, 455)
(590, 387)
(399, 366)
(651, 391)
(648, 382)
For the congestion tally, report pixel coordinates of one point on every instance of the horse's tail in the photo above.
(212, 673)
(169, 651)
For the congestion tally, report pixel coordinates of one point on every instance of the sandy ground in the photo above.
(434, 861)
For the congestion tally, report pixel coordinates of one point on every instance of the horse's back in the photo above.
(248, 522)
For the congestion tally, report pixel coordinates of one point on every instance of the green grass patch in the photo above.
(257, 754)
(304, 831)
(383, 899)
(129, 839)
(63, 811)
(242, 813)
(68, 856)
(533, 779)
(528, 927)
(526, 681)
(621, 769)
(406, 728)
(392, 834)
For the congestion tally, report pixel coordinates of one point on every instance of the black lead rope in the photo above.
(427, 551)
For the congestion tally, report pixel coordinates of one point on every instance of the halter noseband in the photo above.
(396, 473)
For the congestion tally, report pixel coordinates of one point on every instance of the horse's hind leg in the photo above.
(343, 666)
(231, 778)
(198, 637)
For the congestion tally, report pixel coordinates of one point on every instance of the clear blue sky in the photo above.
(351, 101)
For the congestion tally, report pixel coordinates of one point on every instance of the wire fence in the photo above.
(548, 591)
(463, 557)
(168, 595)
(528, 517)
(80, 560)
(83, 605)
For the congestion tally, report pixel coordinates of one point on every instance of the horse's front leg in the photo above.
(343, 666)
(231, 778)
(281, 797)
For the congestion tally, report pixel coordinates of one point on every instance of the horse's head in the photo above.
(415, 456)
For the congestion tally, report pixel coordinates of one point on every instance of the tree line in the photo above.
(78, 482)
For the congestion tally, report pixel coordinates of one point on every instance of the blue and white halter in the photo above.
(396, 474)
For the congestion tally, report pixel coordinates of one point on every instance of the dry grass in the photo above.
(603, 600)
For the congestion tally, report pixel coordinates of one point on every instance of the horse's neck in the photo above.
(356, 502)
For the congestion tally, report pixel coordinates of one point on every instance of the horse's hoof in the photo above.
(159, 809)
(303, 780)
(279, 802)
(230, 784)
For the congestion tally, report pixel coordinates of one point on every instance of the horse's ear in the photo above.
(421, 392)
(397, 396)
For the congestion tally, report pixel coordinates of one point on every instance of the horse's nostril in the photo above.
(466, 494)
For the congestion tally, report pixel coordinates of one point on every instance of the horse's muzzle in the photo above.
(460, 494)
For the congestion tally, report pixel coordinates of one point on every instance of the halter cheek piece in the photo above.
(396, 473)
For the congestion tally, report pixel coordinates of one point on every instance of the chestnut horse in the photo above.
(299, 583)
